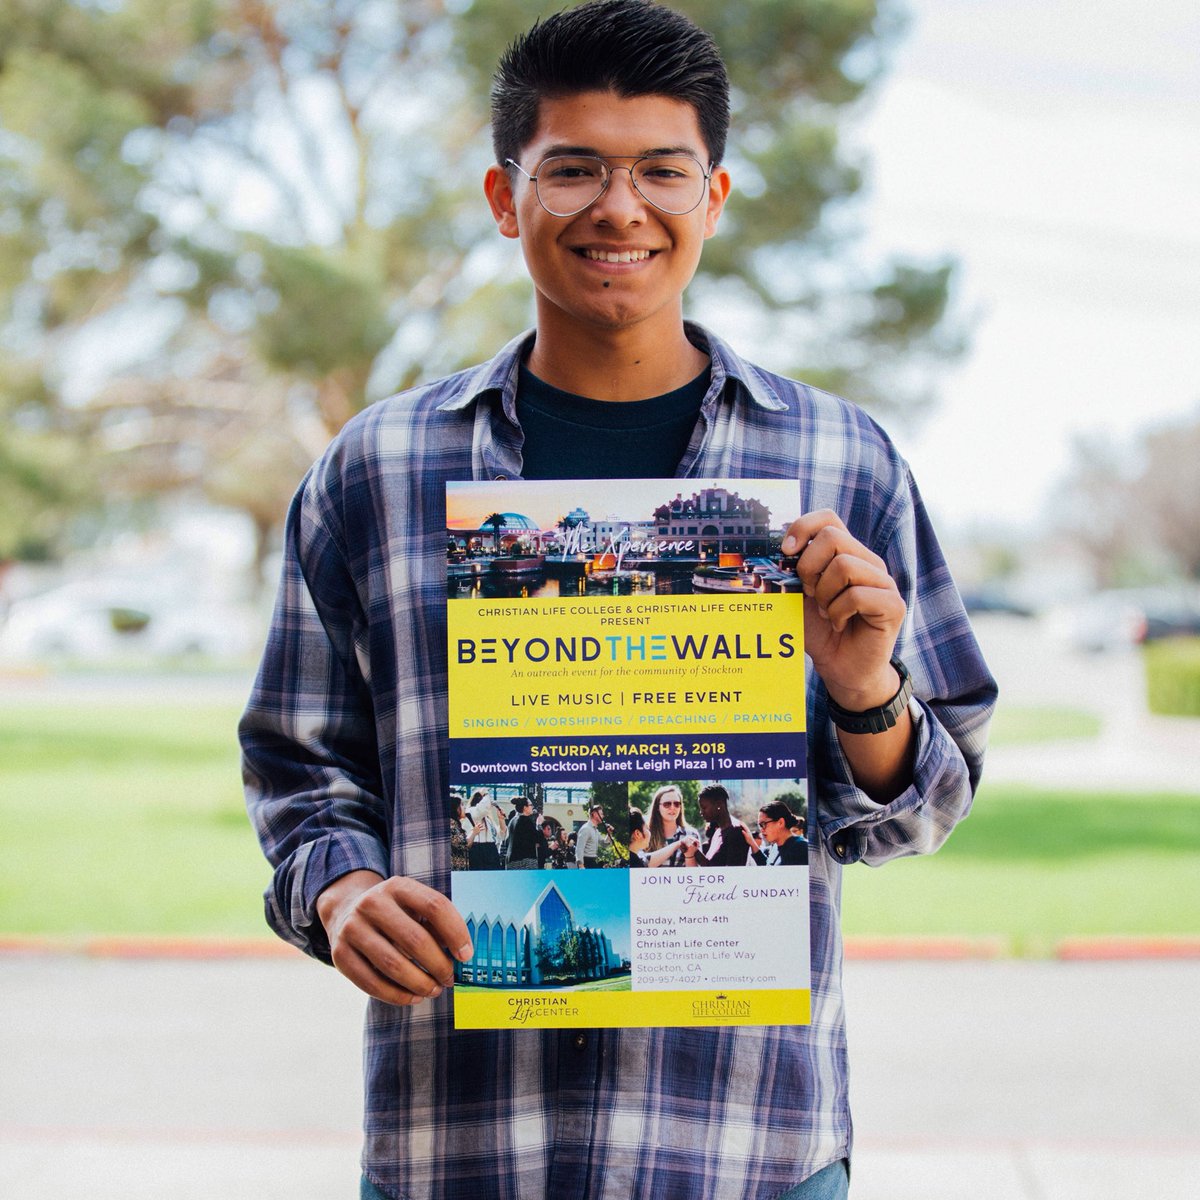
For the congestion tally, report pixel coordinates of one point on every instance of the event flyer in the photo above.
(627, 753)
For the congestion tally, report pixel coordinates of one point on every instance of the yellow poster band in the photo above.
(478, 1008)
(634, 666)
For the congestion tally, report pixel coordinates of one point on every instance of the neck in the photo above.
(617, 365)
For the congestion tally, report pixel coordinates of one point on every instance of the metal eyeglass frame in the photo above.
(609, 169)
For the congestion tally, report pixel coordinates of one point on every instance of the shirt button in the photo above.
(839, 847)
(579, 1041)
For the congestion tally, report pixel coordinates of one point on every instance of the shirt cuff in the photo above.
(856, 828)
(301, 878)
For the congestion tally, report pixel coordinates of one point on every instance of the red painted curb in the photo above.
(1115, 949)
(16, 943)
(857, 948)
(924, 949)
(151, 946)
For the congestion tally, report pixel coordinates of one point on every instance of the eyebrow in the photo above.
(559, 149)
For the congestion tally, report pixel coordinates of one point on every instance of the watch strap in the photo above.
(875, 720)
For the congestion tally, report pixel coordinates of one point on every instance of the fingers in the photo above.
(363, 973)
(398, 940)
(805, 528)
(850, 586)
(820, 538)
(843, 577)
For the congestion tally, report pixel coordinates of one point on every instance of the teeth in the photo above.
(617, 256)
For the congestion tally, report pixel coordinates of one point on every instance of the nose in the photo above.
(620, 204)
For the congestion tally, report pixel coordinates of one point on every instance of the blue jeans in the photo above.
(830, 1184)
(833, 1183)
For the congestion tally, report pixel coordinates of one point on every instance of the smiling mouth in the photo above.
(615, 256)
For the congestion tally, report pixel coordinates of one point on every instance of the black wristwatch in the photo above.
(875, 720)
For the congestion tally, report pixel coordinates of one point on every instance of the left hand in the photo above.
(854, 610)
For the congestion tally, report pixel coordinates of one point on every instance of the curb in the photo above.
(858, 948)
(1118, 949)
(151, 947)
(925, 949)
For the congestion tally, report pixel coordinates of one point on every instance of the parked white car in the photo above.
(93, 624)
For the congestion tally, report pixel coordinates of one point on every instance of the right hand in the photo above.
(395, 939)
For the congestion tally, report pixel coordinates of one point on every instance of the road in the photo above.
(1003, 1080)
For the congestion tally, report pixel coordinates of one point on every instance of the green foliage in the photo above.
(1173, 677)
(44, 476)
(300, 180)
(329, 314)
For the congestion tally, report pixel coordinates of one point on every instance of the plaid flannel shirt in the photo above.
(345, 763)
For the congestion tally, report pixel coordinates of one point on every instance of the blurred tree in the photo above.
(1135, 509)
(42, 473)
(1092, 507)
(1166, 493)
(225, 225)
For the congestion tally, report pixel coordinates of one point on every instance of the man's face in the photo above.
(597, 817)
(575, 288)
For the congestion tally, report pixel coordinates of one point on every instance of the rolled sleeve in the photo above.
(310, 760)
(917, 821)
(954, 696)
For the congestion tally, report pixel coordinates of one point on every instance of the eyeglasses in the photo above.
(568, 183)
(768, 821)
(670, 804)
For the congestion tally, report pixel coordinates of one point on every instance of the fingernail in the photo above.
(789, 545)
(464, 952)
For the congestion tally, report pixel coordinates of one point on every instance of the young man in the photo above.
(609, 125)
(587, 840)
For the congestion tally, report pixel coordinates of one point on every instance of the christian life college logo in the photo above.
(719, 1008)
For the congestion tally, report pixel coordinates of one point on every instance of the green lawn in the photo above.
(129, 819)
(1014, 726)
(1036, 866)
(125, 819)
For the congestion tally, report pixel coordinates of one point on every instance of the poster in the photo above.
(627, 753)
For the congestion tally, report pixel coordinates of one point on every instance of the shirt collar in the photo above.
(499, 374)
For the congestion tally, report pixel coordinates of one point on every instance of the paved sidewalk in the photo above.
(238, 1080)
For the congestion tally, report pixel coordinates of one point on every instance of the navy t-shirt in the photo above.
(574, 437)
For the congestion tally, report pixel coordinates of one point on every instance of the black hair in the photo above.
(777, 809)
(714, 792)
(631, 47)
(637, 820)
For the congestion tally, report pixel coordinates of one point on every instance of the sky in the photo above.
(597, 898)
(1054, 149)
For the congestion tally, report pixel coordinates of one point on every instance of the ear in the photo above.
(497, 186)
(719, 186)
